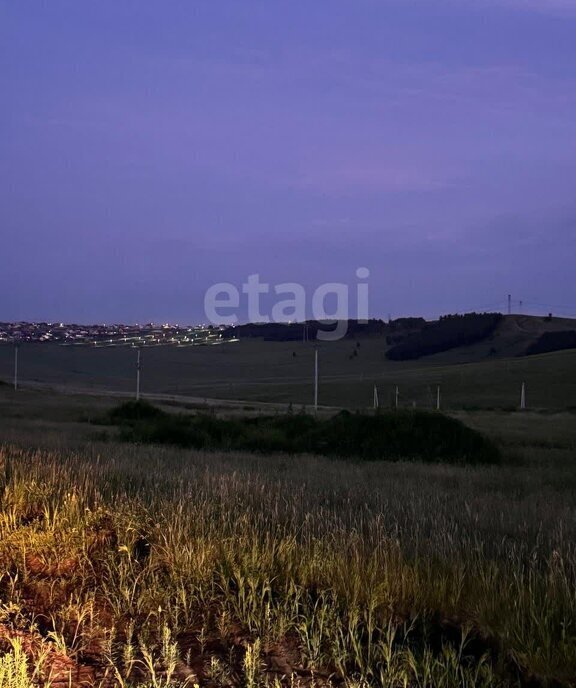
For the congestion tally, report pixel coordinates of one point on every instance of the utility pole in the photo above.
(396, 396)
(523, 397)
(138, 369)
(376, 404)
(315, 379)
(16, 346)
(438, 398)
(509, 304)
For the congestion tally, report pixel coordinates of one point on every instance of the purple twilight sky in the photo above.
(151, 148)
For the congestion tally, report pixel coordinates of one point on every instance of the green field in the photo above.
(255, 370)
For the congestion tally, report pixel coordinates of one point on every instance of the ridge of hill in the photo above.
(491, 335)
(513, 336)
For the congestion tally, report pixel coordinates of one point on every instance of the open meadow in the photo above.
(130, 564)
(254, 370)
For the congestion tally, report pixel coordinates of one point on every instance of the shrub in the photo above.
(447, 333)
(552, 341)
(389, 435)
(131, 411)
(396, 435)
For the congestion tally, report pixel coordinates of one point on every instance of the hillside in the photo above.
(447, 333)
(253, 370)
(504, 337)
(512, 337)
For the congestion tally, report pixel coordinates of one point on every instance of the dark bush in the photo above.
(447, 333)
(397, 435)
(133, 411)
(289, 332)
(407, 324)
(390, 435)
(552, 341)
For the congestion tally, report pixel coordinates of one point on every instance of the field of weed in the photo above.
(149, 565)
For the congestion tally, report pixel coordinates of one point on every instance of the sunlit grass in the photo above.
(161, 567)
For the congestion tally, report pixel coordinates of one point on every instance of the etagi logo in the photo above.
(225, 296)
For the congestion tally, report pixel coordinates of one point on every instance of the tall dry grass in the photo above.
(161, 566)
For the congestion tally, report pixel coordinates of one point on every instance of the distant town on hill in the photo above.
(406, 338)
(149, 334)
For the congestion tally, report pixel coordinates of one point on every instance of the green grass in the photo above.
(255, 371)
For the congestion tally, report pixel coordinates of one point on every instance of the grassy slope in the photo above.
(511, 338)
(267, 371)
